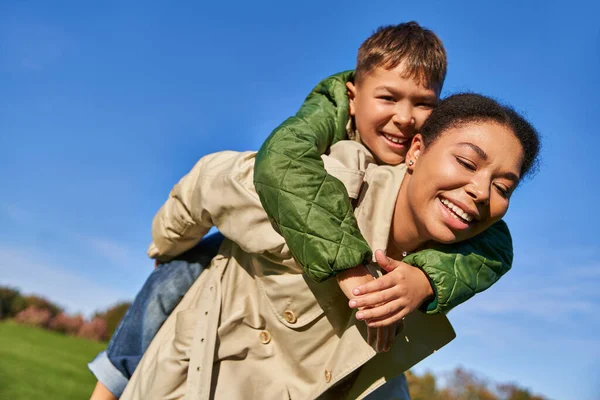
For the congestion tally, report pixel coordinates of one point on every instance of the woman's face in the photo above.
(462, 182)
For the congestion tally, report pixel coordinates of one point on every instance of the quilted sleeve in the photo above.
(307, 206)
(459, 271)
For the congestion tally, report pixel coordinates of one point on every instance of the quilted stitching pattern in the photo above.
(460, 271)
(312, 211)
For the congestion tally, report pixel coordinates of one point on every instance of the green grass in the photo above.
(38, 364)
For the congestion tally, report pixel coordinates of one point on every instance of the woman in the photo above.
(252, 327)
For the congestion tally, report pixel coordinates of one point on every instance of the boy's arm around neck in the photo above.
(459, 271)
(307, 206)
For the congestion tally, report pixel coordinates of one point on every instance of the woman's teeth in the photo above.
(456, 211)
(394, 139)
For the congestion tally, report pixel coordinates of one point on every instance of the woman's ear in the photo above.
(416, 149)
(351, 97)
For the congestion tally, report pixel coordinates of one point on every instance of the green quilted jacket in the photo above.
(312, 210)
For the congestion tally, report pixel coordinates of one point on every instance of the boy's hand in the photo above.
(353, 277)
(393, 296)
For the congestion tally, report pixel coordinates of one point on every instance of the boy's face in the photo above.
(389, 109)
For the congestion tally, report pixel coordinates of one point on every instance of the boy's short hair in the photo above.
(419, 49)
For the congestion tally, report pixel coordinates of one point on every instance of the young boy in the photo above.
(399, 76)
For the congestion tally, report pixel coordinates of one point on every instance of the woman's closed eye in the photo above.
(503, 191)
(466, 164)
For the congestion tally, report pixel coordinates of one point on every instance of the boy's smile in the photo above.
(389, 108)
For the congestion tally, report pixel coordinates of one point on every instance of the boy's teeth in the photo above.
(394, 139)
(457, 210)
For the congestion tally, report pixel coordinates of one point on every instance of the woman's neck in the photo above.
(404, 234)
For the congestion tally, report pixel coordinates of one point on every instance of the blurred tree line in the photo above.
(461, 384)
(38, 311)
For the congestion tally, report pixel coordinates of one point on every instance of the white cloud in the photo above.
(116, 253)
(545, 287)
(16, 214)
(26, 269)
(550, 304)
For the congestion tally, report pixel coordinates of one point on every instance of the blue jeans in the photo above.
(161, 293)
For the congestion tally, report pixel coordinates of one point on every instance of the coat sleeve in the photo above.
(459, 271)
(306, 205)
(218, 191)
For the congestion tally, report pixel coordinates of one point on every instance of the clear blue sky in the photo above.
(104, 106)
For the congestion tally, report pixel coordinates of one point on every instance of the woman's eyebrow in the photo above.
(511, 176)
(508, 175)
(476, 149)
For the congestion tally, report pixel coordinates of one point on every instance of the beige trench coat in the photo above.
(252, 326)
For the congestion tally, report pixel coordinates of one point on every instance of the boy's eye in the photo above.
(467, 164)
(387, 98)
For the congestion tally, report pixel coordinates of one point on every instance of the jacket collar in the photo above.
(376, 203)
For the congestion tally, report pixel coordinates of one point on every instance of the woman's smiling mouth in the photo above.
(460, 219)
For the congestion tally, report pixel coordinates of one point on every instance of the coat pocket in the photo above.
(296, 301)
(184, 333)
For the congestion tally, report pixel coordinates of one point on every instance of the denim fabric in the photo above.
(396, 389)
(160, 294)
(105, 372)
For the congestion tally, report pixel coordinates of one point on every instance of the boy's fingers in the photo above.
(386, 263)
(373, 299)
(375, 285)
(390, 264)
(387, 320)
(381, 258)
(379, 312)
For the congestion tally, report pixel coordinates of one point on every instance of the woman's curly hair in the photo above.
(465, 108)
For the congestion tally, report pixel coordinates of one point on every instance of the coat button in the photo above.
(327, 376)
(265, 337)
(290, 317)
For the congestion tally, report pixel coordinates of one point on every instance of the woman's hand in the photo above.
(388, 299)
(381, 338)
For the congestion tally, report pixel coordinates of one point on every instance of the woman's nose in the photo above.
(479, 191)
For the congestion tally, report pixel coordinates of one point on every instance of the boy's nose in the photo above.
(403, 117)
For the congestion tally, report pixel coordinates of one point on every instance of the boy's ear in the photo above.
(416, 149)
(351, 97)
